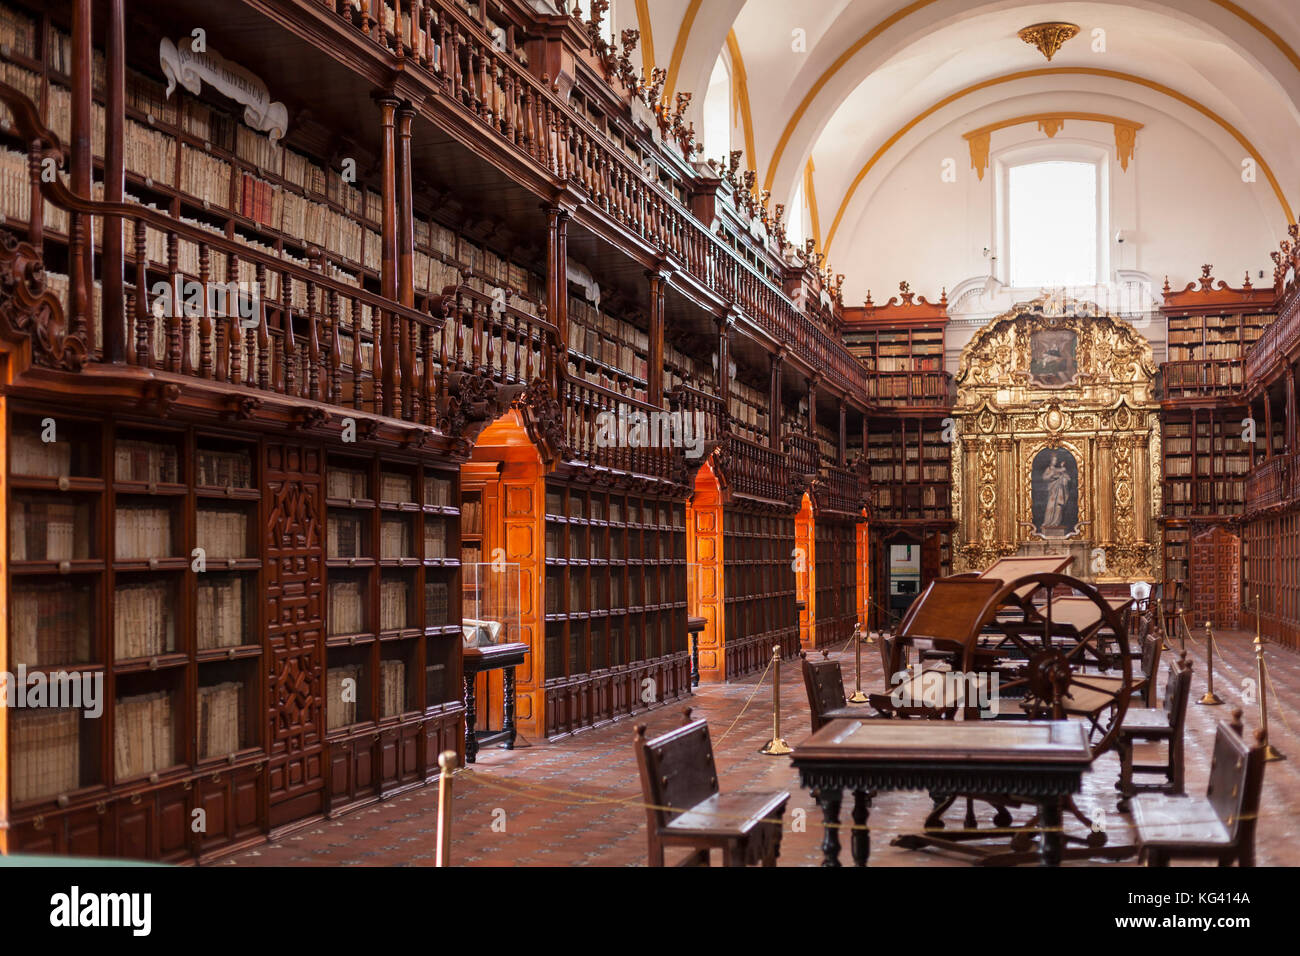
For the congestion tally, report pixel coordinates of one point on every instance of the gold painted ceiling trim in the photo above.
(1051, 124)
(740, 94)
(679, 48)
(1059, 71)
(643, 23)
(1262, 28)
(810, 198)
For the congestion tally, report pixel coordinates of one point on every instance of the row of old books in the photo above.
(341, 690)
(221, 719)
(29, 454)
(49, 624)
(143, 531)
(205, 176)
(347, 536)
(48, 529)
(345, 483)
(394, 604)
(436, 603)
(392, 688)
(471, 516)
(46, 752)
(395, 488)
(220, 616)
(222, 533)
(144, 738)
(18, 32)
(395, 538)
(347, 607)
(437, 492)
(143, 620)
(223, 469)
(145, 461)
(435, 538)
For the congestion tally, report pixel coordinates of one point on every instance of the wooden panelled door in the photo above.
(931, 560)
(1215, 575)
(295, 618)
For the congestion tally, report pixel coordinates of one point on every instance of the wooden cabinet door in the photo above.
(1215, 574)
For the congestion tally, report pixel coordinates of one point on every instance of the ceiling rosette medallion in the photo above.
(1048, 37)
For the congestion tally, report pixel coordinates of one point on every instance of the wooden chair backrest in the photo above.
(950, 612)
(1177, 692)
(1152, 646)
(1236, 776)
(677, 770)
(824, 682)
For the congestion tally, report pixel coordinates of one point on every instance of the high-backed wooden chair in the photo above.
(1150, 740)
(679, 783)
(824, 682)
(1219, 826)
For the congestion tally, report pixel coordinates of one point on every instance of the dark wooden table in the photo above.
(476, 660)
(1040, 760)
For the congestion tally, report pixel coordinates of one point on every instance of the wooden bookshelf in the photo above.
(759, 588)
(615, 600)
(911, 469)
(393, 620)
(836, 584)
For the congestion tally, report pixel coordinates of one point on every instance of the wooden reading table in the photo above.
(1043, 761)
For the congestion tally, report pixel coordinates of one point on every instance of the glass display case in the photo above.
(492, 650)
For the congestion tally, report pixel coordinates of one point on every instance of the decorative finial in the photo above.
(1048, 37)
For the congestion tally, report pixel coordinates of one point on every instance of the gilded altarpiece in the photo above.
(1057, 443)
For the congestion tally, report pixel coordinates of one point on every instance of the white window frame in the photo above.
(1053, 151)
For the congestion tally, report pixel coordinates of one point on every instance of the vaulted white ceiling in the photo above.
(859, 86)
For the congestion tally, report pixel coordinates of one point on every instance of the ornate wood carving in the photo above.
(295, 596)
(29, 310)
(473, 401)
(544, 420)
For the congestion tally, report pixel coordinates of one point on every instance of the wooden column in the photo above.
(658, 287)
(114, 310)
(388, 249)
(83, 279)
(812, 407)
(1290, 434)
(724, 373)
(557, 284)
(405, 214)
(1268, 425)
(844, 435)
(774, 400)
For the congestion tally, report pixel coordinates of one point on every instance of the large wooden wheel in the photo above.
(1064, 656)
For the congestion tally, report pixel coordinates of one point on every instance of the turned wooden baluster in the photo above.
(262, 340)
(143, 317)
(231, 340)
(354, 318)
(313, 345)
(484, 90)
(530, 123)
(426, 380)
(459, 355)
(334, 386)
(408, 341)
(205, 318)
(288, 347)
(512, 104)
(518, 346)
(170, 320)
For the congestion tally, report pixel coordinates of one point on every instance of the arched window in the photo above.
(717, 112)
(1053, 220)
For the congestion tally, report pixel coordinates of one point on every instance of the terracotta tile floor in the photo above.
(567, 803)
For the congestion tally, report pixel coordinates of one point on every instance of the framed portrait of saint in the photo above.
(1053, 359)
(1055, 493)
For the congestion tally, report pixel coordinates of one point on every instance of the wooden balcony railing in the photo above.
(517, 109)
(609, 430)
(803, 453)
(1278, 340)
(840, 489)
(706, 411)
(755, 470)
(1266, 484)
(1204, 379)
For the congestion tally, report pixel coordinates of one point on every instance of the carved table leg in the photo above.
(508, 707)
(830, 799)
(861, 839)
(471, 712)
(1053, 837)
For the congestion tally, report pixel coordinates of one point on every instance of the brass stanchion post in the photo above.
(1210, 698)
(858, 697)
(776, 747)
(1271, 753)
(447, 761)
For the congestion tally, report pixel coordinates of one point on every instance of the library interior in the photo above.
(650, 432)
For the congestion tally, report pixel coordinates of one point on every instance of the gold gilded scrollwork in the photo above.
(1106, 417)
